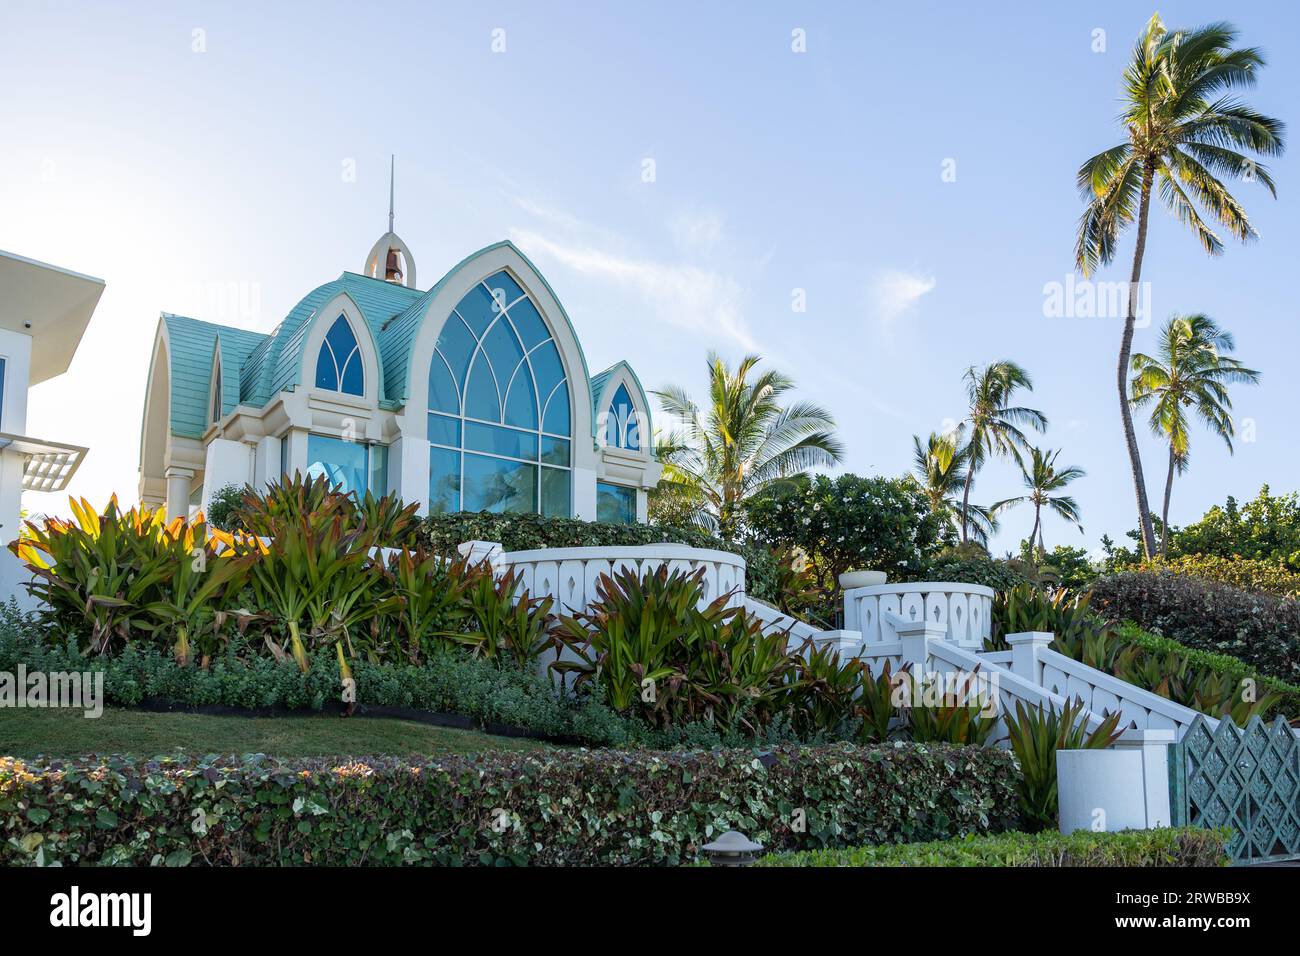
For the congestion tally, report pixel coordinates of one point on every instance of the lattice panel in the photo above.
(1248, 780)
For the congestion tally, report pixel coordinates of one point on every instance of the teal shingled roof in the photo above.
(271, 363)
(191, 346)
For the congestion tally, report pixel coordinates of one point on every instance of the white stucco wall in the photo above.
(16, 350)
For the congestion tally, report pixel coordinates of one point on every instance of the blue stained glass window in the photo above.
(521, 402)
(504, 288)
(496, 484)
(481, 399)
(444, 480)
(497, 366)
(621, 425)
(556, 420)
(349, 465)
(615, 504)
(338, 364)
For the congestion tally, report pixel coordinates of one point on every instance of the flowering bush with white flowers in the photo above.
(850, 523)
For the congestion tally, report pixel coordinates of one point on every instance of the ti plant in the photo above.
(197, 587)
(503, 621)
(958, 717)
(433, 607)
(1035, 736)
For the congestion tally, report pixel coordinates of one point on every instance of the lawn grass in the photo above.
(66, 733)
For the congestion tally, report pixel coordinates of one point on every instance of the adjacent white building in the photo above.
(44, 310)
(473, 394)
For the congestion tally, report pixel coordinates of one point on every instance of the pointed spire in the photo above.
(392, 165)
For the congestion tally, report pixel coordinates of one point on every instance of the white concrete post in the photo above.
(915, 636)
(1123, 788)
(1025, 659)
(1154, 748)
(847, 643)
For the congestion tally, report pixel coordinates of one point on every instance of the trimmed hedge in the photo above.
(1187, 846)
(1260, 630)
(524, 532)
(554, 808)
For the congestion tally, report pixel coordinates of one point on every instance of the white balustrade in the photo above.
(570, 575)
(963, 610)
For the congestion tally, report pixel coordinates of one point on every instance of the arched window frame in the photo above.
(340, 367)
(462, 355)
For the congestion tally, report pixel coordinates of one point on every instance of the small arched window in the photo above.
(338, 366)
(622, 429)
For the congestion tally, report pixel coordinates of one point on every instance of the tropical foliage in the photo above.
(1186, 131)
(996, 425)
(1190, 373)
(939, 467)
(1044, 481)
(849, 523)
(740, 443)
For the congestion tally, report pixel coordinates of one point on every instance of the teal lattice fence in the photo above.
(1248, 780)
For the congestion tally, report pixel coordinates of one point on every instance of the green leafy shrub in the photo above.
(1035, 736)
(1261, 630)
(1181, 847)
(998, 575)
(1251, 574)
(552, 808)
(224, 506)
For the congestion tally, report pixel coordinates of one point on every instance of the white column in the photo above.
(408, 470)
(584, 494)
(1025, 660)
(178, 492)
(266, 464)
(228, 463)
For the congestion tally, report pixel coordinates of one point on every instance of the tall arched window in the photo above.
(338, 365)
(499, 419)
(622, 429)
(216, 396)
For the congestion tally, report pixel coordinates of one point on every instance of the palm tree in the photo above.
(995, 424)
(740, 444)
(1185, 129)
(939, 470)
(1190, 372)
(1043, 479)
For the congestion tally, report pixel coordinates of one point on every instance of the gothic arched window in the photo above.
(622, 429)
(499, 417)
(338, 365)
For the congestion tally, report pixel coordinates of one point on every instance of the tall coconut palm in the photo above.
(939, 470)
(995, 424)
(1186, 133)
(741, 443)
(1192, 373)
(1043, 479)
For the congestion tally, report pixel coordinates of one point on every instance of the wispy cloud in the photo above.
(893, 292)
(688, 297)
(697, 231)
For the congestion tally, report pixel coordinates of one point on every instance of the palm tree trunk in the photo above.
(1122, 371)
(1034, 532)
(1164, 511)
(965, 502)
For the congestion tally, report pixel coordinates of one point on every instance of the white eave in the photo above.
(47, 465)
(50, 304)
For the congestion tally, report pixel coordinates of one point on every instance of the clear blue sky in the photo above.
(177, 175)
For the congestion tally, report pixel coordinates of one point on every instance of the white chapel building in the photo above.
(472, 394)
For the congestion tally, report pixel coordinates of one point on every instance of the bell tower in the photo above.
(389, 258)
